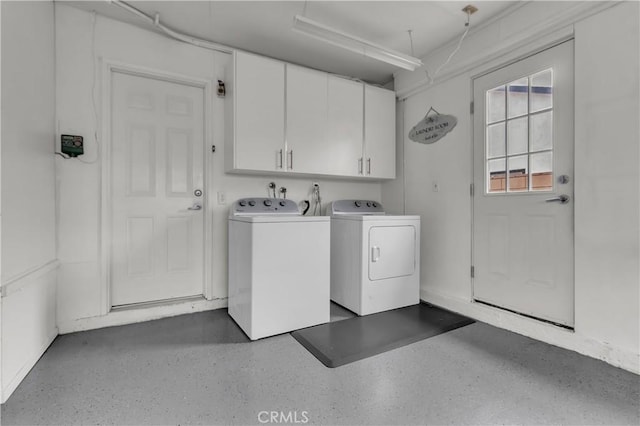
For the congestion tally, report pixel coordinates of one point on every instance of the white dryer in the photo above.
(375, 258)
(278, 267)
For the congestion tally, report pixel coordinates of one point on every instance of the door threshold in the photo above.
(155, 303)
(557, 324)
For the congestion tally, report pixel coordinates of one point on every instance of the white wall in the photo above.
(607, 190)
(28, 188)
(446, 223)
(393, 191)
(606, 171)
(1, 399)
(79, 291)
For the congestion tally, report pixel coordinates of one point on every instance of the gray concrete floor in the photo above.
(201, 369)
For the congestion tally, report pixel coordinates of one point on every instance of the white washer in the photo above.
(278, 267)
(375, 258)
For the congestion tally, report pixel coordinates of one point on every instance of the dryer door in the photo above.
(392, 251)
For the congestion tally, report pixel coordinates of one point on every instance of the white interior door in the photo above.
(523, 177)
(157, 189)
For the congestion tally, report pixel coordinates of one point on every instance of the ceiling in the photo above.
(264, 27)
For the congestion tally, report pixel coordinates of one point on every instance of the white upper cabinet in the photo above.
(259, 130)
(345, 126)
(379, 133)
(284, 118)
(306, 124)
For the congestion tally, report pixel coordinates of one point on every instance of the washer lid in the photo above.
(356, 207)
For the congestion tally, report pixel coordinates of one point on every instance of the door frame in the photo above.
(107, 68)
(496, 65)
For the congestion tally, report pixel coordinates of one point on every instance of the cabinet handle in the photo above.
(291, 160)
(279, 166)
(369, 165)
(360, 165)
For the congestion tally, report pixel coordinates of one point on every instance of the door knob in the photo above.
(195, 207)
(563, 199)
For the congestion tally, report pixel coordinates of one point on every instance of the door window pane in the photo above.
(541, 90)
(518, 174)
(542, 171)
(495, 104)
(496, 176)
(541, 131)
(495, 140)
(517, 137)
(517, 98)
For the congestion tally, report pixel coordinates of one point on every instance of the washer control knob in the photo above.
(252, 203)
(242, 203)
(368, 204)
(267, 203)
(283, 203)
(358, 204)
(375, 205)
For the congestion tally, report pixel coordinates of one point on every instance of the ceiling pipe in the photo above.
(206, 44)
(155, 21)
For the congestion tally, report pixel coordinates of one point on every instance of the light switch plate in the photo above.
(222, 197)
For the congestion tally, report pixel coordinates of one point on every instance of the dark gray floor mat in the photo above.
(342, 342)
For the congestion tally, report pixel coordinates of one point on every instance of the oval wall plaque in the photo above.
(432, 128)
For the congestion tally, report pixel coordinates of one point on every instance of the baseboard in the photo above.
(132, 315)
(557, 336)
(29, 363)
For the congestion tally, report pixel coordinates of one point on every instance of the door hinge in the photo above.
(213, 148)
(471, 190)
(471, 107)
(473, 272)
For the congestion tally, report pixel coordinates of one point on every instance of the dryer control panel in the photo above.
(356, 207)
(264, 207)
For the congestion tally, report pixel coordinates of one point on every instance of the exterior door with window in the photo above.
(157, 178)
(523, 180)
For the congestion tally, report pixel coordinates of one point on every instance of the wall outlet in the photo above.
(435, 186)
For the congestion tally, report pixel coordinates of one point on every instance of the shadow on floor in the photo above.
(201, 328)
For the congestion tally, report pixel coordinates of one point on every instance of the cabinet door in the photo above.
(306, 120)
(345, 127)
(379, 132)
(259, 113)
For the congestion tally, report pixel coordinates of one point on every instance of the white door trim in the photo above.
(107, 67)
